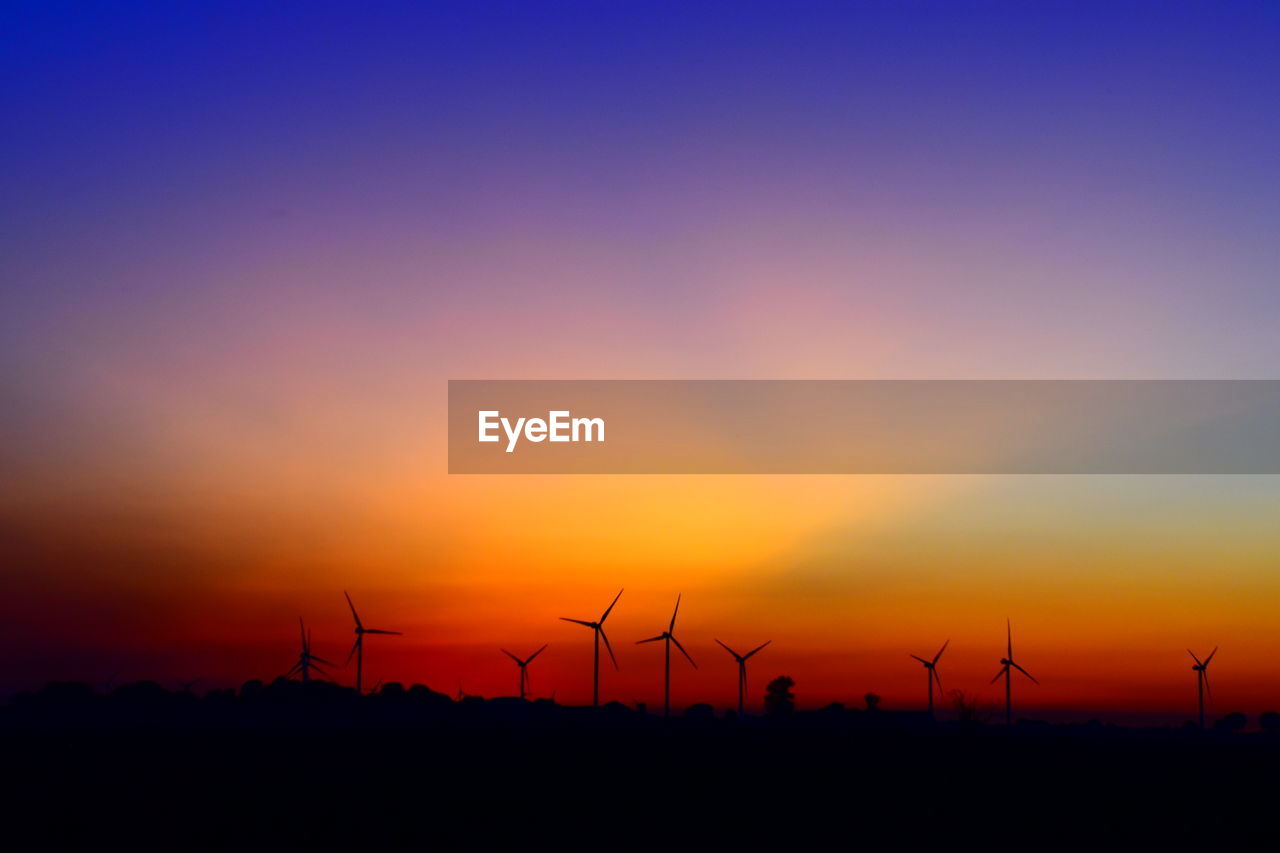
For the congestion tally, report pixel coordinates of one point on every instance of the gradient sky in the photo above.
(243, 247)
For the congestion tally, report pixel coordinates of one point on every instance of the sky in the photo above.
(245, 245)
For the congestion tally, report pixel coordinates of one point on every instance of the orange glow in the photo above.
(1107, 581)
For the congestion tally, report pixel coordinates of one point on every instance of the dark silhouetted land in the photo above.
(288, 765)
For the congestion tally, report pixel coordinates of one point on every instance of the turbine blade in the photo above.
(315, 660)
(302, 632)
(352, 653)
(1024, 672)
(757, 648)
(513, 657)
(1194, 658)
(651, 639)
(917, 657)
(576, 621)
(1009, 628)
(683, 652)
(730, 651)
(1205, 675)
(605, 637)
(538, 652)
(375, 631)
(1210, 657)
(354, 614)
(610, 608)
(936, 677)
(999, 674)
(941, 650)
(672, 626)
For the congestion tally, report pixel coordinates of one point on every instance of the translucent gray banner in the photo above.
(864, 427)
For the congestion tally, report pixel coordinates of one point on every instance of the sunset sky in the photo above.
(243, 250)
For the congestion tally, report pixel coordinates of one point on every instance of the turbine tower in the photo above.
(524, 675)
(742, 670)
(931, 672)
(358, 649)
(306, 660)
(598, 629)
(1007, 665)
(1202, 678)
(669, 636)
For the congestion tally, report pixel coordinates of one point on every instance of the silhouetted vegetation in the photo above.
(778, 698)
(1233, 722)
(967, 710)
(411, 762)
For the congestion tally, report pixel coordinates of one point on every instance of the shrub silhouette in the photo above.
(873, 702)
(700, 713)
(778, 698)
(1233, 722)
(967, 711)
(1269, 721)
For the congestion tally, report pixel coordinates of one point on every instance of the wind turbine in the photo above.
(358, 649)
(598, 628)
(669, 636)
(931, 671)
(523, 664)
(1007, 665)
(1202, 678)
(742, 670)
(306, 660)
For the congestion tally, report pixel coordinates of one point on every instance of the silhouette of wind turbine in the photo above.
(523, 664)
(598, 628)
(931, 671)
(306, 660)
(669, 636)
(1007, 665)
(358, 649)
(1202, 678)
(742, 670)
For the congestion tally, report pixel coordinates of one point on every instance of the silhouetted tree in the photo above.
(1270, 721)
(873, 702)
(1233, 722)
(778, 698)
(966, 710)
(700, 713)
